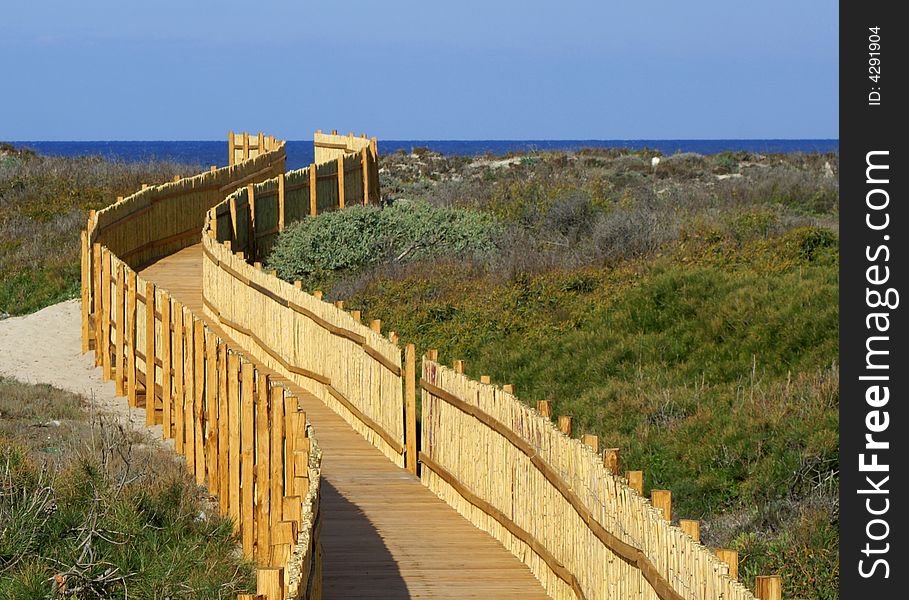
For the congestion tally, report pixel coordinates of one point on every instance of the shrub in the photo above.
(318, 249)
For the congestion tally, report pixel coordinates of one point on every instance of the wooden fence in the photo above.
(555, 502)
(351, 367)
(242, 433)
(562, 508)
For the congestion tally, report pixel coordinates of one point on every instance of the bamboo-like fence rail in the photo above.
(555, 502)
(351, 367)
(583, 530)
(241, 431)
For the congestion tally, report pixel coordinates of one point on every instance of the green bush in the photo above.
(317, 249)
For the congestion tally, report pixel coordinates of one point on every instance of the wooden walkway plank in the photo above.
(384, 534)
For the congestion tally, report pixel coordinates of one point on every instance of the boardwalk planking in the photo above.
(384, 535)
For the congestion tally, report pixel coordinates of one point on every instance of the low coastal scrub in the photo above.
(44, 202)
(687, 314)
(713, 368)
(319, 250)
(90, 510)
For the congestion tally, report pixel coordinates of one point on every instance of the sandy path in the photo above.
(46, 347)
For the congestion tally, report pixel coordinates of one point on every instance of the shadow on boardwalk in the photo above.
(349, 538)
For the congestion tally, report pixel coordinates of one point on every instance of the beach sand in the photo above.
(46, 347)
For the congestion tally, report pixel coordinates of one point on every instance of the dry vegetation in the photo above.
(44, 202)
(90, 510)
(686, 313)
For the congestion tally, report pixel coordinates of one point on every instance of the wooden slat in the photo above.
(130, 338)
(150, 353)
(179, 372)
(119, 322)
(166, 368)
(247, 445)
(212, 389)
(263, 468)
(199, 404)
(233, 423)
(189, 395)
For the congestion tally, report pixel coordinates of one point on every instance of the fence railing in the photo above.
(353, 368)
(562, 508)
(241, 431)
(583, 531)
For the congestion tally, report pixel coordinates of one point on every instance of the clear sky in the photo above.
(607, 69)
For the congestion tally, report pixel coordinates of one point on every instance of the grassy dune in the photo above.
(686, 314)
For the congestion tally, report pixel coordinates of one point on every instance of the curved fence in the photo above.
(351, 367)
(551, 499)
(555, 502)
(242, 432)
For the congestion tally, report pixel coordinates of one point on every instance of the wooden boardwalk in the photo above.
(384, 535)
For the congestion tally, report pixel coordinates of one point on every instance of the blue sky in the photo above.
(127, 70)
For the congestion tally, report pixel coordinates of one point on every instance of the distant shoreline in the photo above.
(300, 152)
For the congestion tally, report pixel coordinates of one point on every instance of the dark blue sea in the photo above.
(300, 153)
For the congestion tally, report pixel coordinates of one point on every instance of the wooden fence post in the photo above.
(120, 324)
(230, 148)
(245, 145)
(189, 395)
(277, 453)
(270, 582)
(544, 407)
(364, 164)
(410, 406)
(166, 371)
(485, 379)
(85, 288)
(432, 354)
(341, 181)
(635, 481)
(374, 169)
(199, 403)
(591, 441)
(692, 528)
(233, 423)
(150, 353)
(130, 339)
(223, 433)
(211, 404)
(565, 424)
(508, 388)
(662, 500)
(313, 192)
(376, 325)
(263, 469)
(247, 445)
(107, 312)
(459, 366)
(611, 460)
(179, 384)
(260, 144)
(768, 587)
(731, 558)
(281, 202)
(251, 201)
(97, 304)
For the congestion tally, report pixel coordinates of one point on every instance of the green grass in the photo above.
(102, 510)
(44, 202)
(712, 366)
